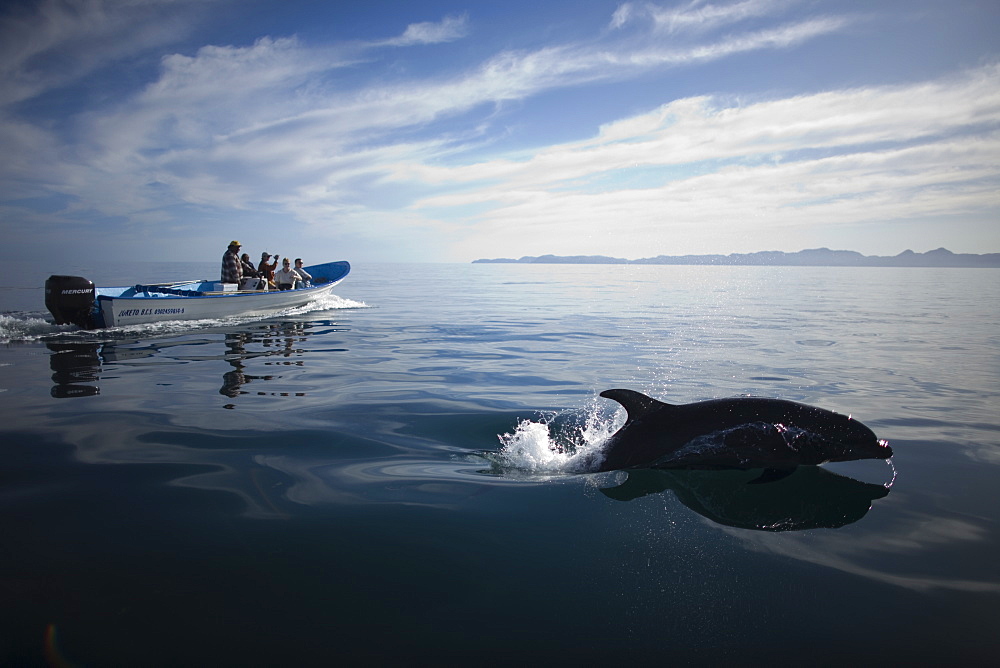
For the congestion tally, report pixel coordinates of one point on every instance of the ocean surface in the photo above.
(398, 475)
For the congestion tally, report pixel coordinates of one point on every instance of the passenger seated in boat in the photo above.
(306, 276)
(286, 277)
(232, 270)
(265, 270)
(251, 278)
(248, 268)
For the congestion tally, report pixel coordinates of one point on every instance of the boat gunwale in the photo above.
(149, 295)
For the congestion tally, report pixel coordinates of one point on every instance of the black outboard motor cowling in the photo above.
(70, 299)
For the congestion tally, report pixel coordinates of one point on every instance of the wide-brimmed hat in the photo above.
(234, 243)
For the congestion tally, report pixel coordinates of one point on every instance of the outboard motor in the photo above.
(70, 299)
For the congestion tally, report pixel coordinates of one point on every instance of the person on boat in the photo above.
(252, 279)
(306, 276)
(286, 277)
(265, 270)
(248, 268)
(232, 270)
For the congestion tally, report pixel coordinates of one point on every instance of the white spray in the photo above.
(559, 443)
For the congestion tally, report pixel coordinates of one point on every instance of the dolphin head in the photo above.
(837, 438)
(860, 442)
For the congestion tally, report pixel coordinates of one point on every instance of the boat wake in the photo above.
(324, 303)
(28, 327)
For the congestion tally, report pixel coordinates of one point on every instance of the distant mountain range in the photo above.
(816, 257)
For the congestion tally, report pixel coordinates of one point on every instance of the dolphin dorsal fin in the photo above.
(636, 404)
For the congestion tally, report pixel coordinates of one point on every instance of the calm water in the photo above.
(327, 485)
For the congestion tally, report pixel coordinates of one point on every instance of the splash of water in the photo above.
(569, 442)
(892, 467)
(27, 327)
(327, 302)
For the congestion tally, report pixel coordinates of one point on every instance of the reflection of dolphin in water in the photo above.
(740, 433)
(810, 498)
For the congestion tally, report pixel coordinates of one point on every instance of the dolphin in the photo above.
(735, 433)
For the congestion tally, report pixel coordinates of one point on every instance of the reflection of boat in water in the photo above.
(75, 300)
(809, 498)
(234, 380)
(76, 367)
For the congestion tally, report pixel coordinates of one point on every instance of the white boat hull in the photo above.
(124, 311)
(197, 300)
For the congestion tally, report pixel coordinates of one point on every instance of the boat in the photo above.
(76, 300)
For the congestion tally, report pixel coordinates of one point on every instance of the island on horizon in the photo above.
(815, 257)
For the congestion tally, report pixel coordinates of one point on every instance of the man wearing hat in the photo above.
(265, 270)
(232, 270)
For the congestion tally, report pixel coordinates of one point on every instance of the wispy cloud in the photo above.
(237, 110)
(690, 130)
(694, 17)
(53, 42)
(281, 125)
(449, 29)
(696, 169)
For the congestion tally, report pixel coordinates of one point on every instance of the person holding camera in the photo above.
(266, 270)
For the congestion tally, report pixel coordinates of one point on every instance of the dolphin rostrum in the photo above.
(740, 432)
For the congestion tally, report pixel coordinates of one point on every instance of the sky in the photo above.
(446, 131)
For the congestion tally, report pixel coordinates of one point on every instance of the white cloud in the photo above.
(267, 123)
(693, 169)
(274, 126)
(696, 16)
(449, 29)
(54, 42)
(694, 130)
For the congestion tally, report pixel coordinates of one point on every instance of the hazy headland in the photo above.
(816, 257)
